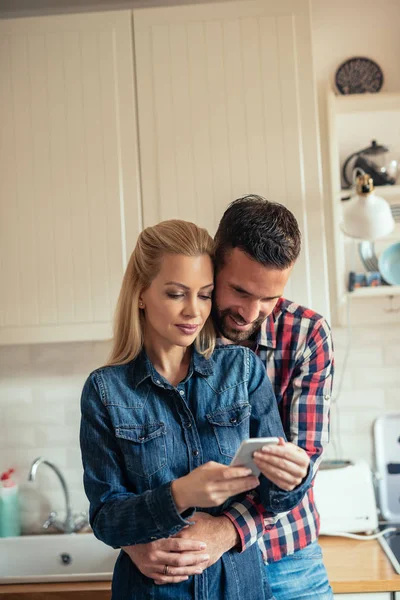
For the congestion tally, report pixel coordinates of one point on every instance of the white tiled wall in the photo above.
(40, 390)
(370, 387)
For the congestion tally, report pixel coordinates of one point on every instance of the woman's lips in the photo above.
(188, 329)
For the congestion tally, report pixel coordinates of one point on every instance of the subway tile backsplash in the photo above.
(40, 387)
(370, 387)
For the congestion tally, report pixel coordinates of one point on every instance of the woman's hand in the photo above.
(285, 464)
(210, 485)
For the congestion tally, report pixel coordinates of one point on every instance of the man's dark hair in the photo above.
(267, 231)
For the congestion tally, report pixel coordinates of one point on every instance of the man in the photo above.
(257, 244)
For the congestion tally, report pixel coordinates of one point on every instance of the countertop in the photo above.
(358, 566)
(353, 567)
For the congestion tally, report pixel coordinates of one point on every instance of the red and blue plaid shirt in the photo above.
(295, 345)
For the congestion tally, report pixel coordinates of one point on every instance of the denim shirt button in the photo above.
(188, 425)
(182, 393)
(195, 452)
(233, 420)
(153, 537)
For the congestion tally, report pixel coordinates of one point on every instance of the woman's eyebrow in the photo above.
(185, 286)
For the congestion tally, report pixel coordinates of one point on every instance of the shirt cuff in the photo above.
(248, 518)
(162, 508)
(282, 501)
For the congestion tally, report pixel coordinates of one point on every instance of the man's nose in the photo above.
(250, 311)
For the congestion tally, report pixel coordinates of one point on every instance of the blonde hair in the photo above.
(168, 237)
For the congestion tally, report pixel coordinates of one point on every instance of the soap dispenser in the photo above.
(10, 522)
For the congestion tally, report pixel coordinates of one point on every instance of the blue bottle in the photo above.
(10, 522)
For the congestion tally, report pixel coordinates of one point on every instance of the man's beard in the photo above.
(226, 326)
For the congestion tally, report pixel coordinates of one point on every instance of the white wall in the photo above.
(346, 28)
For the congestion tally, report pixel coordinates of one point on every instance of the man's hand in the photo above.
(183, 557)
(218, 533)
(188, 553)
(285, 464)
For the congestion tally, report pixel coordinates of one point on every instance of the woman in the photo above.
(162, 421)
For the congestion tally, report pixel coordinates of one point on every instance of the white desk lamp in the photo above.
(367, 216)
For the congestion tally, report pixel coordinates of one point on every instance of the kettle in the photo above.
(374, 162)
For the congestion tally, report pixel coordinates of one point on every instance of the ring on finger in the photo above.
(166, 570)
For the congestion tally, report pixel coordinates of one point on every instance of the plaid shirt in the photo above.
(295, 345)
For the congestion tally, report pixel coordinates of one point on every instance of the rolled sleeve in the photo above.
(248, 517)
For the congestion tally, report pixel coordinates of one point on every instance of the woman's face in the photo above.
(178, 301)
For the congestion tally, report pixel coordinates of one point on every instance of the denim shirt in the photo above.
(139, 433)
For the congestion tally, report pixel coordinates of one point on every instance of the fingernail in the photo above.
(202, 545)
(248, 471)
(198, 571)
(265, 449)
(205, 557)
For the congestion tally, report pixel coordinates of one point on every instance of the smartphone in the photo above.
(244, 454)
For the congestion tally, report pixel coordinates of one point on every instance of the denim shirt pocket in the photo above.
(231, 426)
(143, 447)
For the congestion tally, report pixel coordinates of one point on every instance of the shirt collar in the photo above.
(267, 334)
(142, 368)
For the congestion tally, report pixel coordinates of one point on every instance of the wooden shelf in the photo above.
(378, 291)
(381, 101)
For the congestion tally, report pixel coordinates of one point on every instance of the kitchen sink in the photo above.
(53, 557)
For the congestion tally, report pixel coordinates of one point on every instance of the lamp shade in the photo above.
(367, 216)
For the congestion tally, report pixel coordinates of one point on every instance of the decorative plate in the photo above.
(359, 75)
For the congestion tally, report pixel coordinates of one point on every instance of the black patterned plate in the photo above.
(359, 75)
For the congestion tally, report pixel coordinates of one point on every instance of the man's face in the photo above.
(246, 293)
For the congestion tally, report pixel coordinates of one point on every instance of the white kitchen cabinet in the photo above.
(226, 107)
(70, 209)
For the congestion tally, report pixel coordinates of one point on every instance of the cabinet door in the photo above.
(226, 107)
(68, 182)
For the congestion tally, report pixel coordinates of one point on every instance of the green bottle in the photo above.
(10, 522)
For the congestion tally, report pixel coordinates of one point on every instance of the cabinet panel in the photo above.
(68, 188)
(226, 107)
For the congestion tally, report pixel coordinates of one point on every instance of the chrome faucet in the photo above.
(70, 525)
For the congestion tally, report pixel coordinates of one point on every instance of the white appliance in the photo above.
(345, 498)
